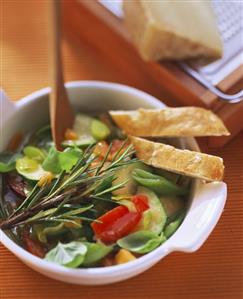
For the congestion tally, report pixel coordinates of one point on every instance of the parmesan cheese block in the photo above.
(189, 163)
(171, 29)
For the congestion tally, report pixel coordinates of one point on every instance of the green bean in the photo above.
(173, 226)
(158, 184)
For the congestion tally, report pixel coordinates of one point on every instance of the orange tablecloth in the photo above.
(215, 271)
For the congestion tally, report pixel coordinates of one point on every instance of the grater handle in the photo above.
(229, 98)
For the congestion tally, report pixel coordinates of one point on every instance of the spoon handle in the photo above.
(61, 114)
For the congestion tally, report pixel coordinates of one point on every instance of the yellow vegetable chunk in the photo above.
(124, 256)
(45, 179)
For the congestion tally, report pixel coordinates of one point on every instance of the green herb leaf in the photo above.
(51, 162)
(76, 211)
(141, 241)
(69, 158)
(7, 161)
(56, 161)
(96, 251)
(105, 184)
(41, 214)
(69, 255)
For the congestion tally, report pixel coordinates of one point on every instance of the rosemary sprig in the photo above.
(104, 160)
(111, 189)
(28, 199)
(120, 149)
(82, 183)
(57, 183)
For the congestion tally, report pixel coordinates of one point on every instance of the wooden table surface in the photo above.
(215, 271)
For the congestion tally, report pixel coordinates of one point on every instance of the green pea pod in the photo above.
(171, 176)
(173, 226)
(157, 183)
(144, 174)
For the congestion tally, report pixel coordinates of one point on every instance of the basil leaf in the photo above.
(7, 161)
(51, 162)
(56, 161)
(69, 255)
(69, 158)
(141, 242)
(96, 251)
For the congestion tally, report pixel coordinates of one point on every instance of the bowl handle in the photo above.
(7, 107)
(201, 219)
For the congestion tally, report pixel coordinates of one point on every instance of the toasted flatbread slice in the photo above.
(170, 122)
(190, 163)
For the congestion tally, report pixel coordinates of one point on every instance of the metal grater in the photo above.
(230, 23)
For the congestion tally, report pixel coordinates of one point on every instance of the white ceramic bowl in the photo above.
(207, 201)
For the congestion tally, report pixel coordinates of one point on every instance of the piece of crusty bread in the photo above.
(170, 122)
(190, 163)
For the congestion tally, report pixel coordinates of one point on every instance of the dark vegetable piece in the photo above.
(33, 246)
(17, 184)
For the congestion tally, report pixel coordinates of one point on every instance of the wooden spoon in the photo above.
(61, 113)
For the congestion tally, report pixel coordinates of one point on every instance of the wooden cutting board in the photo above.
(90, 22)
